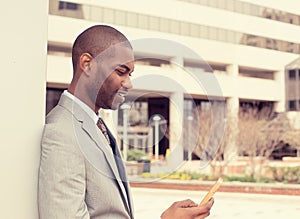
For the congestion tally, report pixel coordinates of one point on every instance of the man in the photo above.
(81, 172)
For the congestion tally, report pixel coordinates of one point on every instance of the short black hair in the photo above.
(95, 40)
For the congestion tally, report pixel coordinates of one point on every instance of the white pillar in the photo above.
(23, 91)
(279, 77)
(156, 120)
(231, 150)
(232, 103)
(190, 141)
(176, 117)
(176, 123)
(177, 61)
(232, 70)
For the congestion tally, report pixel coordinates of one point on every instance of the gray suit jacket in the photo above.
(78, 175)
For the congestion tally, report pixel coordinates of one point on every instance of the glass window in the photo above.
(184, 28)
(229, 5)
(195, 30)
(164, 25)
(52, 98)
(248, 8)
(96, 13)
(108, 15)
(213, 33)
(292, 74)
(230, 36)
(221, 4)
(175, 27)
(132, 19)
(204, 32)
(143, 21)
(222, 35)
(238, 6)
(154, 23)
(67, 5)
(203, 2)
(291, 47)
(205, 105)
(213, 3)
(292, 105)
(120, 17)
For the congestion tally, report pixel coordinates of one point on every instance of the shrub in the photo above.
(239, 179)
(286, 174)
(135, 154)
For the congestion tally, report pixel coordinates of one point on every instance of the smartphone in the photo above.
(212, 191)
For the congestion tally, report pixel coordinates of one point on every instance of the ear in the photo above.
(85, 61)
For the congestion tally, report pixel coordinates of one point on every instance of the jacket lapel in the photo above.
(111, 159)
(95, 134)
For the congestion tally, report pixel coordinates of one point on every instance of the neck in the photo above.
(83, 98)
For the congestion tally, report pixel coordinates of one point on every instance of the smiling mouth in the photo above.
(122, 93)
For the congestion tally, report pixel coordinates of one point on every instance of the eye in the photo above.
(121, 71)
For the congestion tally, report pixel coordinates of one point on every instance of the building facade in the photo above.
(181, 46)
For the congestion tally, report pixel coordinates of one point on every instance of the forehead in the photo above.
(118, 53)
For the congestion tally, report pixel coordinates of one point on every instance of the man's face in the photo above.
(112, 77)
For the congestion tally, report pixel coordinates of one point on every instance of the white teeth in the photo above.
(122, 95)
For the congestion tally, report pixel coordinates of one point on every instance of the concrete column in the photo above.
(23, 91)
(231, 150)
(176, 117)
(232, 70)
(177, 61)
(175, 130)
(232, 103)
(279, 77)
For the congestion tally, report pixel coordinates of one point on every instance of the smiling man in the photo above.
(81, 172)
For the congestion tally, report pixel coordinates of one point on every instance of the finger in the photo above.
(198, 212)
(186, 203)
(211, 202)
(202, 216)
(203, 209)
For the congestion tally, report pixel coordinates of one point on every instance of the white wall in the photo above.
(23, 75)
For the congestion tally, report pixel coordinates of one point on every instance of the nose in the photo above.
(127, 83)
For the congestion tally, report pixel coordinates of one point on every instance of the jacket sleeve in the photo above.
(62, 185)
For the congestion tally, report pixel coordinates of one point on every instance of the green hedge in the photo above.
(136, 154)
(286, 174)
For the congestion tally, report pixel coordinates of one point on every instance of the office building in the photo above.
(241, 46)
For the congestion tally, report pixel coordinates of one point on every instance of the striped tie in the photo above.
(103, 129)
(118, 159)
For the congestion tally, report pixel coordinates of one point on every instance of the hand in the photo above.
(187, 209)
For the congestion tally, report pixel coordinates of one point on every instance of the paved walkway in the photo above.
(150, 203)
(259, 188)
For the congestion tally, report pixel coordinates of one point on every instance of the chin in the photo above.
(114, 106)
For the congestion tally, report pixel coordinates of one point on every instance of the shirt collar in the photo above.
(85, 107)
